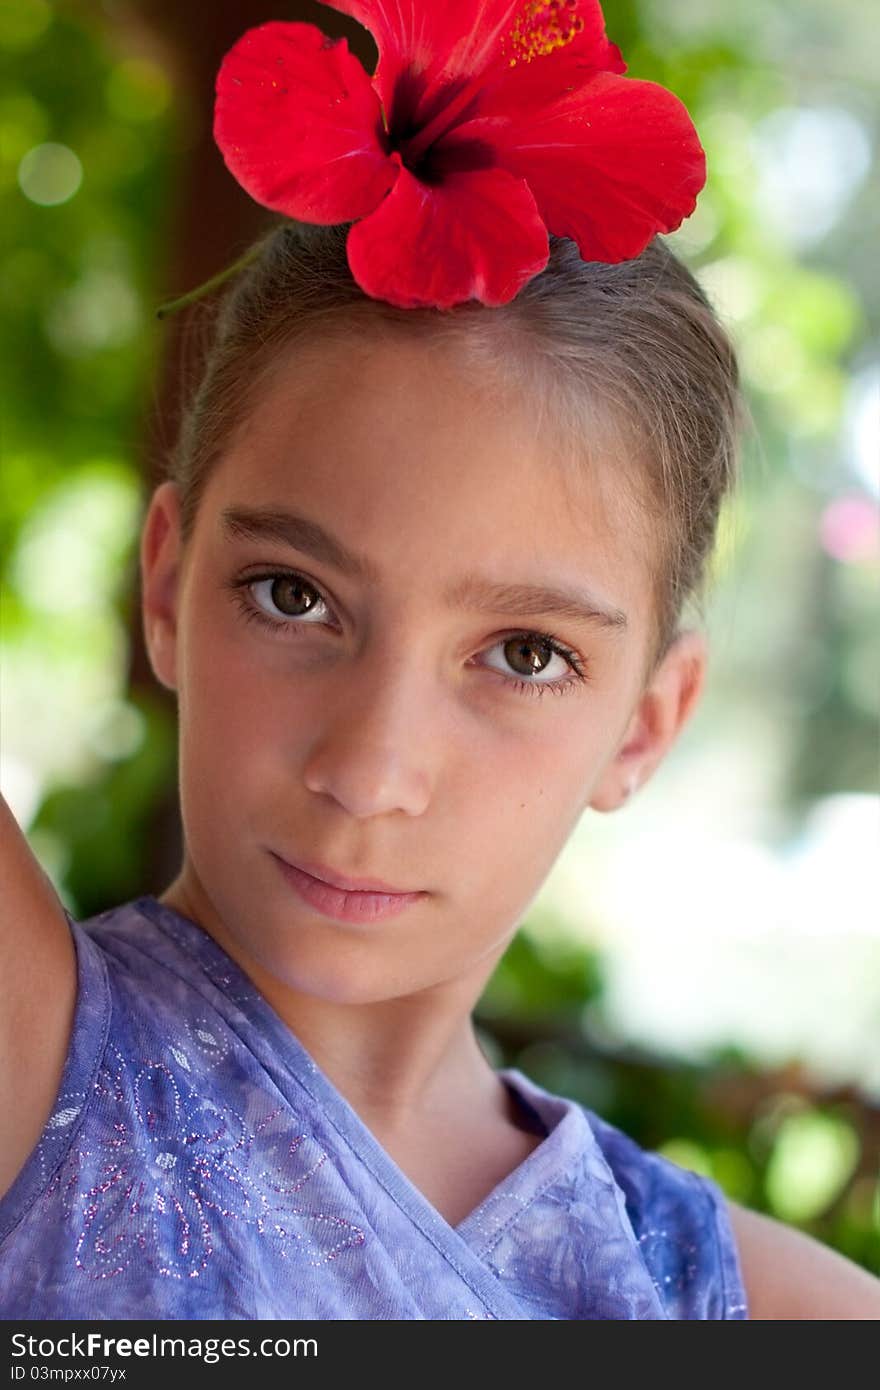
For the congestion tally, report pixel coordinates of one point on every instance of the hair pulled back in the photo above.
(636, 342)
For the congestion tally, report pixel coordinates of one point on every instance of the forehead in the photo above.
(411, 457)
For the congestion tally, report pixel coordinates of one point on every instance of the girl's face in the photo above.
(385, 691)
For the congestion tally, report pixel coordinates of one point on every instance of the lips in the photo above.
(359, 906)
(343, 881)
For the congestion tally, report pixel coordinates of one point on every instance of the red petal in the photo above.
(610, 160)
(299, 124)
(476, 235)
(428, 45)
(429, 50)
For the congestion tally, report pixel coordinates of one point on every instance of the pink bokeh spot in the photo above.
(849, 529)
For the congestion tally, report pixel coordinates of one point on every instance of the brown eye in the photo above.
(526, 657)
(280, 596)
(293, 596)
(520, 653)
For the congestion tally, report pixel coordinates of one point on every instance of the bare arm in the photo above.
(789, 1275)
(37, 997)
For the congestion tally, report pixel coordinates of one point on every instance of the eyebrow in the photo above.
(471, 591)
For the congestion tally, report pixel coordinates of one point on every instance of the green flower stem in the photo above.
(171, 306)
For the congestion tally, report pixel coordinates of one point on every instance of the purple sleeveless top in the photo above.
(198, 1164)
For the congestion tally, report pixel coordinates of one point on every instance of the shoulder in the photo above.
(790, 1275)
(679, 1220)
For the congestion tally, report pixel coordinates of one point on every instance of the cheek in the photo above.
(234, 687)
(513, 804)
(223, 705)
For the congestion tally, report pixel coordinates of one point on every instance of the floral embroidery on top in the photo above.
(172, 1169)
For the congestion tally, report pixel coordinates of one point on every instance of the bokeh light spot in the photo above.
(687, 1154)
(849, 529)
(138, 90)
(810, 161)
(49, 174)
(812, 1161)
(101, 310)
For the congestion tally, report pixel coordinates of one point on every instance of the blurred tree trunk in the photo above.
(212, 222)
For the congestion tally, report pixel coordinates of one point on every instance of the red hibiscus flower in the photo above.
(486, 125)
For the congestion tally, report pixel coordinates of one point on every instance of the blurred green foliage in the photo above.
(87, 128)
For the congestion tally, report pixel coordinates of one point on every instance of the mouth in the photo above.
(348, 904)
(325, 874)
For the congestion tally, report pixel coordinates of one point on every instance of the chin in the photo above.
(332, 973)
(340, 988)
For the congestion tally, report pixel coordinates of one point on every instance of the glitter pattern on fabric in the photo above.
(198, 1164)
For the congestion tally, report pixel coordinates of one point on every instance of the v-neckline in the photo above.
(565, 1122)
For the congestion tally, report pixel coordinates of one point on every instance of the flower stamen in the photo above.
(541, 27)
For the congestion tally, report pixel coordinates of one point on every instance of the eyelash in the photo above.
(252, 613)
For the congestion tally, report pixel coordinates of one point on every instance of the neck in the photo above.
(395, 1061)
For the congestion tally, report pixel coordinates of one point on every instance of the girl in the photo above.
(417, 577)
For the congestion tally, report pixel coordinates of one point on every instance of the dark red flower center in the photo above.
(539, 28)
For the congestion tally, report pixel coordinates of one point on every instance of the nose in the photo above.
(371, 751)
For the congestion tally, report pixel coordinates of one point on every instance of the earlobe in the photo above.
(662, 711)
(159, 563)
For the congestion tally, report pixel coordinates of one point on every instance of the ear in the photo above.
(663, 708)
(160, 577)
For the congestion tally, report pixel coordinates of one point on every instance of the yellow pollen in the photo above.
(540, 27)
